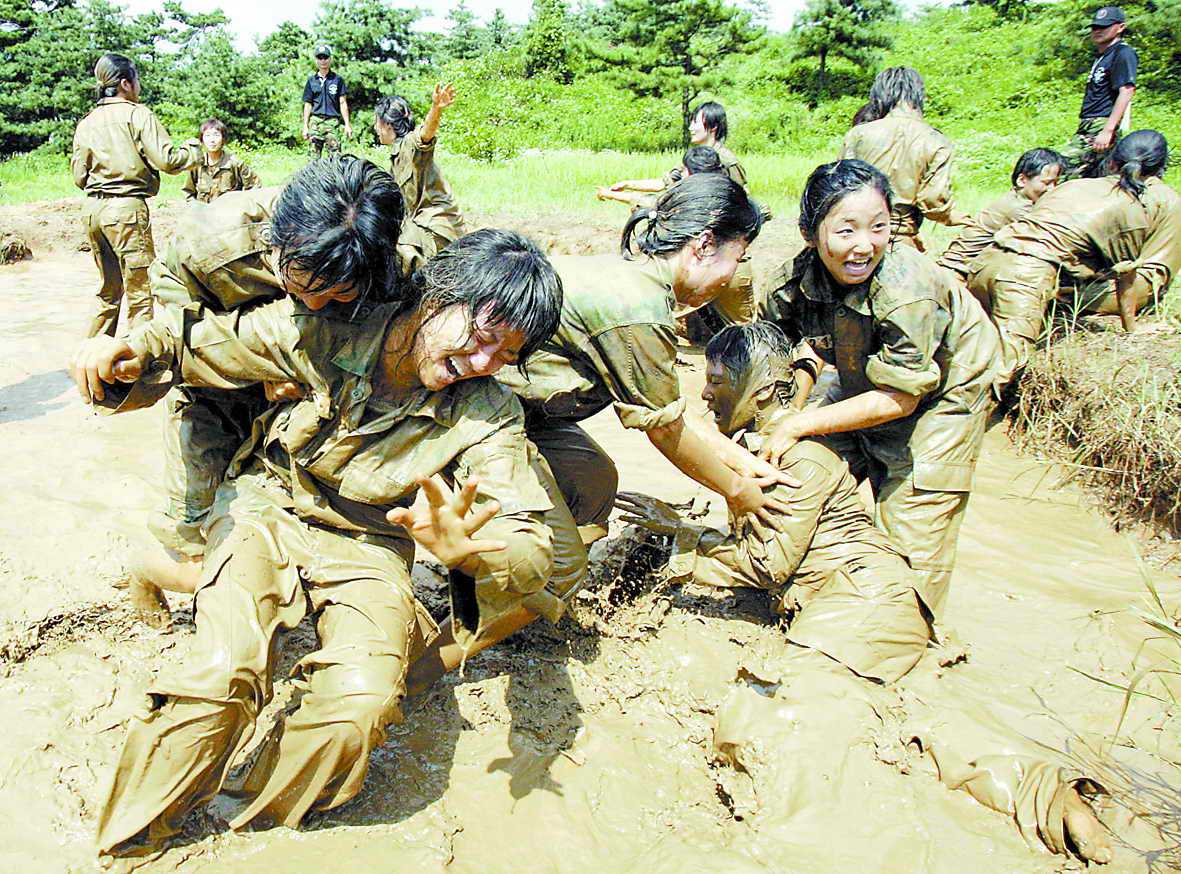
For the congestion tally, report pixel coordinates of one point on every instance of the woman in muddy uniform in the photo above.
(431, 213)
(1124, 227)
(304, 523)
(914, 352)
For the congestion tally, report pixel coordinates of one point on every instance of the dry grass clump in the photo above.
(1109, 405)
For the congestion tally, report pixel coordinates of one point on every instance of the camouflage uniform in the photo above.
(1081, 159)
(119, 149)
(430, 208)
(325, 133)
(230, 173)
(1085, 230)
(916, 158)
(615, 346)
(219, 259)
(299, 528)
(851, 593)
(974, 238)
(910, 329)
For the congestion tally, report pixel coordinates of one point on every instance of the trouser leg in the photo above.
(178, 756)
(127, 225)
(585, 474)
(110, 290)
(319, 757)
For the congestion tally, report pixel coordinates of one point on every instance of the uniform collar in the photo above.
(816, 285)
(904, 110)
(222, 162)
(107, 101)
(660, 272)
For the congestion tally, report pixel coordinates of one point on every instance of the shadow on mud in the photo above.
(35, 395)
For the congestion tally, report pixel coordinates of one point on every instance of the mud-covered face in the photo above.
(452, 345)
(707, 269)
(1035, 187)
(298, 284)
(733, 402)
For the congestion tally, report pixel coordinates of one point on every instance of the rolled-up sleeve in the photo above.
(909, 338)
(1160, 256)
(934, 198)
(639, 372)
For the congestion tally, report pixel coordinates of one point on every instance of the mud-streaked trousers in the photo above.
(1015, 290)
(119, 231)
(585, 474)
(265, 571)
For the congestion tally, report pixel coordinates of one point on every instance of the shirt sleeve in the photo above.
(190, 185)
(344, 89)
(308, 95)
(638, 363)
(79, 167)
(1160, 256)
(934, 198)
(905, 360)
(1123, 68)
(158, 149)
(761, 554)
(248, 177)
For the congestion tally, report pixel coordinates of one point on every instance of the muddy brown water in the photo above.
(598, 745)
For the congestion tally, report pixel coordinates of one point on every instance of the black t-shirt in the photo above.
(324, 94)
(1111, 71)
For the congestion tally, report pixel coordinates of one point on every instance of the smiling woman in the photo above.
(316, 516)
(915, 355)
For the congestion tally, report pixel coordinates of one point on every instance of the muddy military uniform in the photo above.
(849, 591)
(220, 259)
(299, 529)
(119, 149)
(917, 160)
(432, 216)
(615, 346)
(913, 329)
(735, 303)
(207, 181)
(974, 238)
(1085, 233)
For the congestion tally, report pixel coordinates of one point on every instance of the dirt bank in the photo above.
(653, 731)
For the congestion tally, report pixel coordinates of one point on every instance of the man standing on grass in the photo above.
(325, 107)
(1107, 98)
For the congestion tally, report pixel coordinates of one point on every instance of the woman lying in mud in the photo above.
(1125, 226)
(303, 523)
(851, 603)
(914, 352)
(616, 346)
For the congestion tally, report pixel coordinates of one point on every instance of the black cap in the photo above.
(326, 51)
(1105, 16)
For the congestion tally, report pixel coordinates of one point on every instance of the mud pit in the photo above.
(657, 730)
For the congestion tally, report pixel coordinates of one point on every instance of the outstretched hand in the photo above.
(447, 524)
(99, 360)
(443, 95)
(648, 512)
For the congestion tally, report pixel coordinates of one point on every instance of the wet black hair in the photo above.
(1140, 154)
(864, 114)
(896, 85)
(124, 69)
(736, 346)
(212, 124)
(1033, 162)
(829, 183)
(701, 159)
(395, 112)
(338, 220)
(702, 202)
(500, 271)
(713, 116)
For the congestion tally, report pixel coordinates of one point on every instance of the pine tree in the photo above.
(850, 29)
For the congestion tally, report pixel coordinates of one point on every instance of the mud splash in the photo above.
(660, 729)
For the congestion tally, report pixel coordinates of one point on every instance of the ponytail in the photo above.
(698, 203)
(1137, 156)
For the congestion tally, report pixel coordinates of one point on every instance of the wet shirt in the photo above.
(120, 147)
(324, 94)
(1111, 71)
(974, 238)
(911, 328)
(426, 194)
(207, 181)
(344, 454)
(914, 156)
(730, 166)
(615, 345)
(1093, 230)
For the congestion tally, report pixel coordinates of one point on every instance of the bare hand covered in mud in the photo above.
(101, 360)
(749, 465)
(282, 391)
(447, 524)
(783, 438)
(751, 500)
(648, 512)
(443, 95)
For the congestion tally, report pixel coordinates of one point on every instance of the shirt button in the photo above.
(358, 393)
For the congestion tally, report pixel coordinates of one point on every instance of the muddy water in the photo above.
(663, 730)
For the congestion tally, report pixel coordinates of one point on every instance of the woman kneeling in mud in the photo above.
(303, 523)
(616, 346)
(914, 352)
